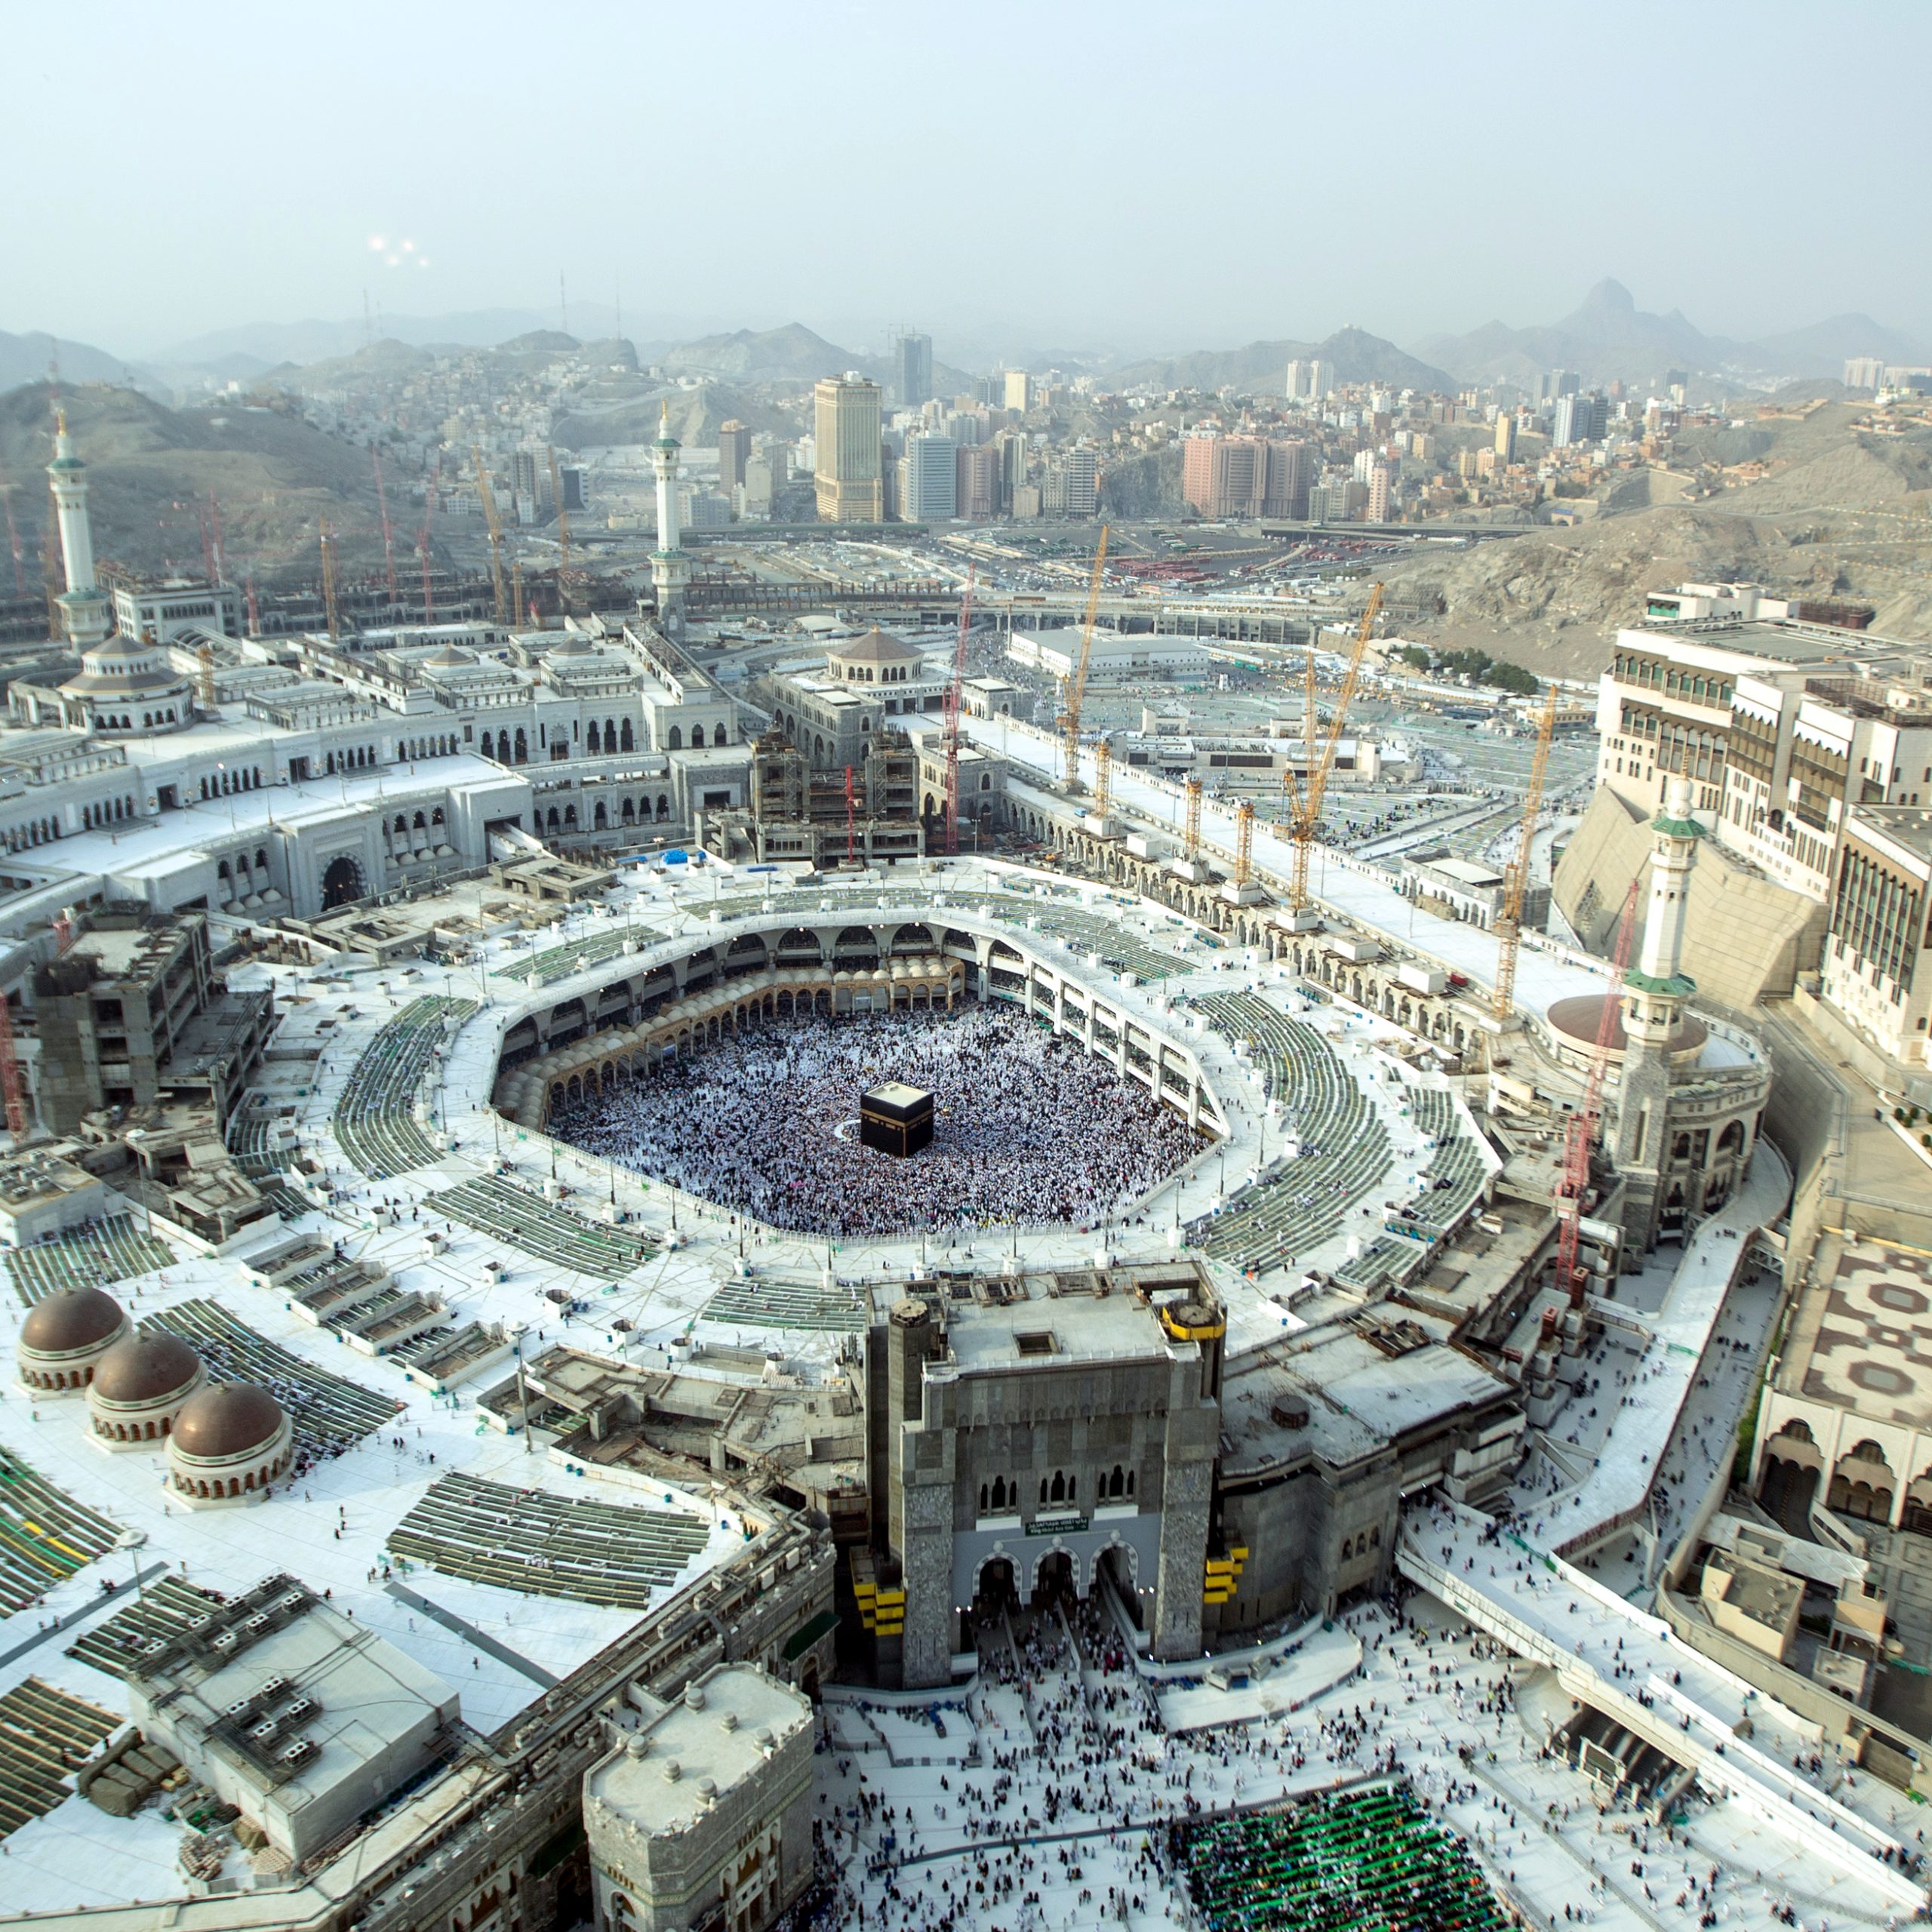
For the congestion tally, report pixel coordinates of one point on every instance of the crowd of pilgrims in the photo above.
(1027, 1127)
(1070, 1752)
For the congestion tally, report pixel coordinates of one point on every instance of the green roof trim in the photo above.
(1678, 827)
(1679, 986)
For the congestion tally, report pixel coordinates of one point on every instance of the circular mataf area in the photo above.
(1027, 1128)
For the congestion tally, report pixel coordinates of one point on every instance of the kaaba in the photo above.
(895, 1119)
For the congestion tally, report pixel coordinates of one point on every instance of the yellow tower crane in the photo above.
(489, 517)
(1244, 843)
(1103, 782)
(1191, 838)
(1516, 878)
(1076, 685)
(1305, 801)
(328, 579)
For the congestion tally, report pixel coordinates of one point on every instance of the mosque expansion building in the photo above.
(611, 1221)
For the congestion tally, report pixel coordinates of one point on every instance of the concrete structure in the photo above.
(1874, 973)
(929, 484)
(164, 610)
(44, 1191)
(1048, 1427)
(133, 1013)
(700, 1815)
(734, 452)
(295, 1714)
(1118, 656)
(846, 425)
(1224, 476)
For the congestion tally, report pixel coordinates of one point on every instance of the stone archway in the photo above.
(341, 883)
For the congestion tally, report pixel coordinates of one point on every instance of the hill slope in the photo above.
(274, 475)
(1260, 369)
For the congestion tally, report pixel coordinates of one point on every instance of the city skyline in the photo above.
(1434, 229)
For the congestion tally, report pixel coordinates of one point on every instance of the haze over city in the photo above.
(1127, 179)
(1014, 924)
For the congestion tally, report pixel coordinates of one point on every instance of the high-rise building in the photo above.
(1864, 372)
(735, 449)
(1010, 445)
(1243, 476)
(1083, 482)
(976, 490)
(1019, 390)
(1578, 419)
(849, 472)
(1309, 379)
(1505, 435)
(929, 489)
(914, 354)
(1380, 485)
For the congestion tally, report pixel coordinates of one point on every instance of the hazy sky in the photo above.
(1134, 175)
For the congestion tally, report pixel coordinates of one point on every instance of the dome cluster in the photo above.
(226, 1441)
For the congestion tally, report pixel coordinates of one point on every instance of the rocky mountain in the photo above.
(27, 358)
(1839, 513)
(1608, 337)
(148, 467)
(1261, 368)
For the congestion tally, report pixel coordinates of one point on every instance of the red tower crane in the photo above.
(220, 542)
(13, 540)
(1581, 1134)
(953, 697)
(423, 539)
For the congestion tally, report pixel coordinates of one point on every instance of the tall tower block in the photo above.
(1655, 990)
(670, 568)
(84, 612)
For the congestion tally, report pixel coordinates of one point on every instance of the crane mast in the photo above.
(388, 530)
(955, 696)
(563, 524)
(328, 580)
(1305, 802)
(1076, 690)
(1516, 879)
(1191, 838)
(1582, 1132)
(489, 517)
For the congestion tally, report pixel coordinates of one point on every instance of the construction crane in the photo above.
(516, 592)
(1516, 878)
(955, 696)
(563, 524)
(489, 517)
(1076, 685)
(1243, 842)
(1103, 784)
(52, 571)
(1305, 801)
(1581, 1135)
(328, 579)
(1191, 841)
(389, 531)
(423, 539)
(255, 611)
(851, 820)
(205, 677)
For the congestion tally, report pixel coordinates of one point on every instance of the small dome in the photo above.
(228, 1419)
(71, 1319)
(149, 1366)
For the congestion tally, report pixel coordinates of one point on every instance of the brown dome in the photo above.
(149, 1366)
(226, 1420)
(71, 1319)
(1578, 1018)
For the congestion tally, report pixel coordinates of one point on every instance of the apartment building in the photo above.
(1870, 972)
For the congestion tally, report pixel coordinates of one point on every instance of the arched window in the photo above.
(625, 739)
(677, 739)
(697, 737)
(522, 747)
(590, 737)
(1059, 1487)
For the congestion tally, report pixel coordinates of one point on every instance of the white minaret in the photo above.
(1654, 991)
(670, 568)
(84, 611)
